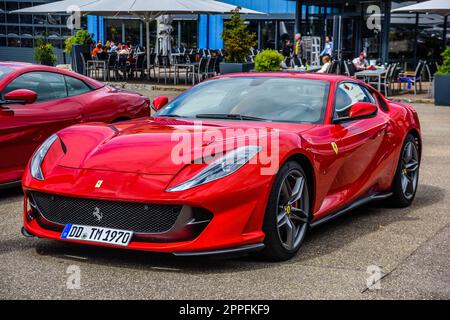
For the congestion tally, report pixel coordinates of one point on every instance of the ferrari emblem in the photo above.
(335, 148)
(288, 209)
(99, 184)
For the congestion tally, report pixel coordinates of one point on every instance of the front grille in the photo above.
(136, 217)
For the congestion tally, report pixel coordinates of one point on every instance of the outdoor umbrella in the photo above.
(146, 10)
(441, 7)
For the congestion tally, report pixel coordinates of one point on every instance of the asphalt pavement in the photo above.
(374, 252)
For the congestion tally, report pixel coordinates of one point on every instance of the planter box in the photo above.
(442, 90)
(227, 68)
(77, 63)
(47, 63)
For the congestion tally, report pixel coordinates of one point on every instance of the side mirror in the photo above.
(21, 96)
(362, 109)
(160, 102)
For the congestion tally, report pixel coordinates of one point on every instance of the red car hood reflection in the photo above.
(145, 146)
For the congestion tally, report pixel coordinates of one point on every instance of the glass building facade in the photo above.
(22, 30)
(365, 25)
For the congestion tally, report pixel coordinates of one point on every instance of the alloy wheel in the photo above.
(293, 210)
(410, 169)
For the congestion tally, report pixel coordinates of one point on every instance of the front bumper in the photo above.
(237, 207)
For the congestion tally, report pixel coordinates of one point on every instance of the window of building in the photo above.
(189, 33)
(10, 6)
(430, 37)
(268, 34)
(114, 29)
(133, 31)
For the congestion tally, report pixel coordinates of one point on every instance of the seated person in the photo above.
(326, 64)
(361, 62)
(98, 49)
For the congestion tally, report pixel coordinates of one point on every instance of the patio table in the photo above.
(372, 74)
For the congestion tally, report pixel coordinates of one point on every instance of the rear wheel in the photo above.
(287, 214)
(407, 175)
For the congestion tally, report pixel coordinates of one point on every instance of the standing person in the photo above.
(361, 62)
(328, 48)
(287, 52)
(299, 49)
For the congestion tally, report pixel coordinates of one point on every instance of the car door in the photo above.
(360, 142)
(25, 126)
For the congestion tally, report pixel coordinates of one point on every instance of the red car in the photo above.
(239, 163)
(37, 101)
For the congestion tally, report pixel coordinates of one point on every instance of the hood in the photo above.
(154, 146)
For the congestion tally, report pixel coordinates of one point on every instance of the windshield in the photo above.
(4, 71)
(253, 98)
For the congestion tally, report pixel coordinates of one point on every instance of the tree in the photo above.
(81, 37)
(44, 52)
(237, 39)
(268, 60)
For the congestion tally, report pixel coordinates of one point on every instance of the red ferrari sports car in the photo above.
(37, 101)
(239, 163)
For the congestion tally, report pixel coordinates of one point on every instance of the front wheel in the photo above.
(407, 176)
(287, 214)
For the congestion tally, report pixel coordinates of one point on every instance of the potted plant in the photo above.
(237, 41)
(76, 45)
(442, 81)
(268, 61)
(44, 53)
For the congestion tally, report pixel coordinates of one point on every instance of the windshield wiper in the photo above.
(228, 116)
(169, 116)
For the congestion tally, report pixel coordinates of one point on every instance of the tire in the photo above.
(407, 173)
(286, 221)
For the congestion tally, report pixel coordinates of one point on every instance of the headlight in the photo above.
(38, 157)
(222, 167)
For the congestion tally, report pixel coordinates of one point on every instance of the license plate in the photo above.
(97, 234)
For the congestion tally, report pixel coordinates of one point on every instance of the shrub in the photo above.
(237, 39)
(44, 52)
(444, 69)
(81, 37)
(268, 60)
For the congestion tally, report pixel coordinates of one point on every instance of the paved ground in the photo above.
(410, 246)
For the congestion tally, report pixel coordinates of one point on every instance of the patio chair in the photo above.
(111, 66)
(139, 65)
(349, 69)
(414, 80)
(211, 68)
(386, 79)
(200, 71)
(122, 66)
(333, 67)
(164, 65)
(87, 68)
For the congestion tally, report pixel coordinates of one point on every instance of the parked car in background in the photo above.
(37, 101)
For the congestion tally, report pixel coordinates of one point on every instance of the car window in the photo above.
(268, 98)
(76, 87)
(347, 94)
(48, 85)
